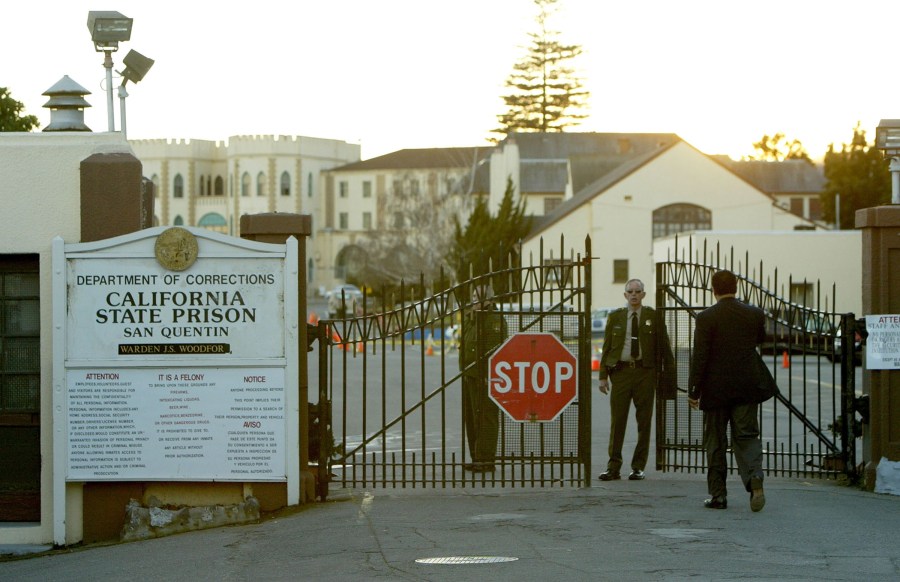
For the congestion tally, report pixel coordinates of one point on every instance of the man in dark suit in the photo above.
(723, 379)
(630, 363)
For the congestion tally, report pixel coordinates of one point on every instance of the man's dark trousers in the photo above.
(744, 442)
(627, 384)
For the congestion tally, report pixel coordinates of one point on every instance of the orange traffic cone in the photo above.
(785, 360)
(313, 318)
(429, 351)
(595, 363)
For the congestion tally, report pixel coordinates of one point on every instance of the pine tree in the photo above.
(547, 95)
(487, 242)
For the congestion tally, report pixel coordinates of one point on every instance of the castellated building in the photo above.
(213, 183)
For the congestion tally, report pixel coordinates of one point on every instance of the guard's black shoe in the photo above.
(610, 476)
(716, 503)
(636, 475)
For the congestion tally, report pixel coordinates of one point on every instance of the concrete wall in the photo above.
(40, 191)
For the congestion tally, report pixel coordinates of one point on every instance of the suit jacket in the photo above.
(724, 364)
(652, 334)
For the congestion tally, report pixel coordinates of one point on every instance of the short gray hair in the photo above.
(630, 281)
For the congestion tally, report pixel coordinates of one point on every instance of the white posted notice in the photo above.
(190, 423)
(883, 343)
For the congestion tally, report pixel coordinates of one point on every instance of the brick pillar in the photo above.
(881, 295)
(276, 228)
(114, 199)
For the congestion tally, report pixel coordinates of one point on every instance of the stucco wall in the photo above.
(620, 218)
(831, 260)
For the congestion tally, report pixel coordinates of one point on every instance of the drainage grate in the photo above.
(466, 560)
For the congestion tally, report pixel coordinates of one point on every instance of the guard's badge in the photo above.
(176, 249)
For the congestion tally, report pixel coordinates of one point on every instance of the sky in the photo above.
(396, 74)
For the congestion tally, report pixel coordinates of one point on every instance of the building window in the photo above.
(414, 187)
(803, 293)
(202, 186)
(178, 220)
(367, 221)
(245, 184)
(220, 186)
(260, 184)
(398, 220)
(677, 218)
(343, 189)
(620, 271)
(309, 185)
(214, 221)
(285, 184)
(178, 187)
(797, 205)
(20, 330)
(815, 208)
(398, 187)
(551, 202)
(343, 221)
(367, 189)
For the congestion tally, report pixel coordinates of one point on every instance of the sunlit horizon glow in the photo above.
(403, 74)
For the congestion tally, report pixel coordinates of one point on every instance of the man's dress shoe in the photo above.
(716, 503)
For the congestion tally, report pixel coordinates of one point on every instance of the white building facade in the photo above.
(212, 184)
(671, 189)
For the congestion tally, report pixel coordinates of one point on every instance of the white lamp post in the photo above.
(887, 139)
(108, 28)
(136, 66)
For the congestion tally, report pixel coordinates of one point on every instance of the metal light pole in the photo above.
(136, 66)
(108, 28)
(887, 139)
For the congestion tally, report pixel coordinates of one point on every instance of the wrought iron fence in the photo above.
(391, 382)
(807, 429)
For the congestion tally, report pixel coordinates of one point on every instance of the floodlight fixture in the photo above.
(108, 28)
(136, 66)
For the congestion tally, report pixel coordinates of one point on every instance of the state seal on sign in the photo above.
(176, 249)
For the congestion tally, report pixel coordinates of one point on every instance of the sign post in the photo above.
(533, 377)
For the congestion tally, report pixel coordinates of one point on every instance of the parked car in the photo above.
(598, 322)
(799, 331)
(835, 356)
(346, 295)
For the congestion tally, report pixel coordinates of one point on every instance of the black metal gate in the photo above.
(390, 385)
(811, 427)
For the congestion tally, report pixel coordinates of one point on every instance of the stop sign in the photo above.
(532, 377)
